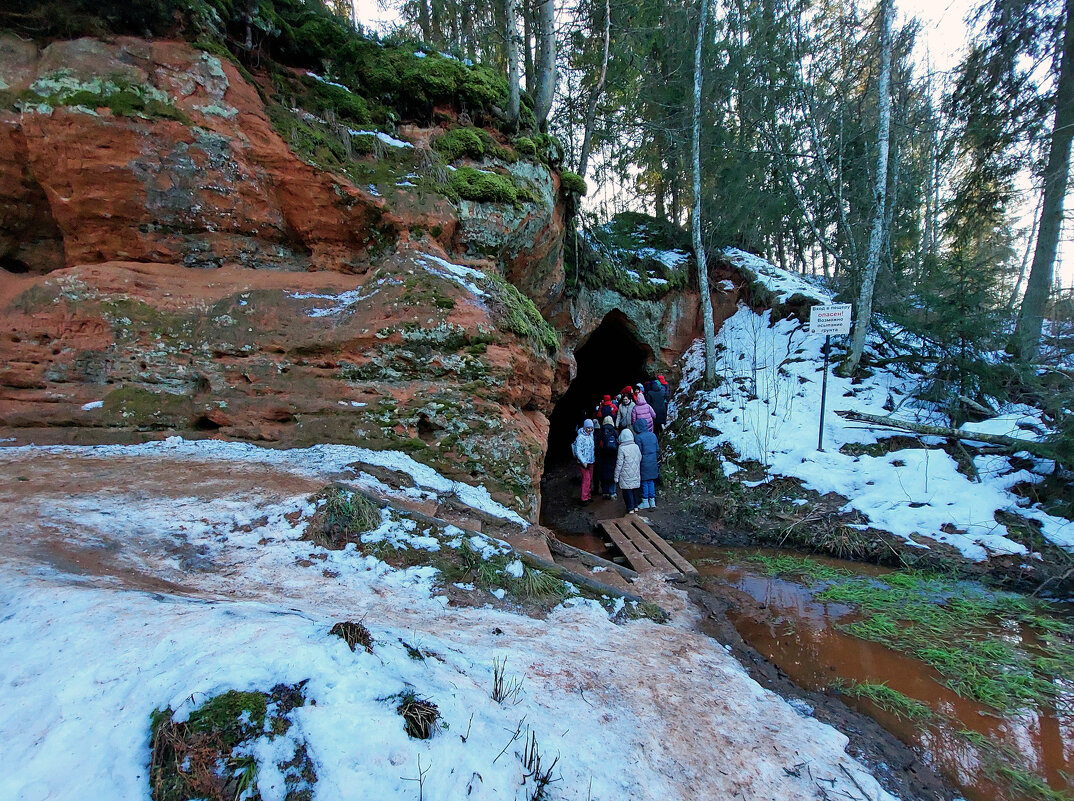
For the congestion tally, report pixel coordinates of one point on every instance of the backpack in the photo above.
(610, 441)
(608, 410)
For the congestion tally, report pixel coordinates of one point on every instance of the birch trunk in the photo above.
(598, 89)
(1027, 333)
(511, 32)
(695, 215)
(864, 306)
(545, 67)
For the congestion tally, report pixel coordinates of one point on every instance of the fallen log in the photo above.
(588, 559)
(1044, 450)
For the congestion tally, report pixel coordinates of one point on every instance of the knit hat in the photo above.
(608, 421)
(607, 398)
(662, 380)
(588, 425)
(628, 390)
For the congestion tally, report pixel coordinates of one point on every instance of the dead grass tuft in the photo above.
(354, 634)
(421, 717)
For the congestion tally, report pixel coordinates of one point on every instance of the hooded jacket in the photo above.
(628, 463)
(649, 447)
(643, 411)
(584, 446)
(606, 456)
(658, 399)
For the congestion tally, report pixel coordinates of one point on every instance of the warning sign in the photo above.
(830, 320)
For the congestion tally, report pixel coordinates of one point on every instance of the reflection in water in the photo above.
(784, 622)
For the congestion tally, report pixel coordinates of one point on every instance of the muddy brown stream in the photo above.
(799, 634)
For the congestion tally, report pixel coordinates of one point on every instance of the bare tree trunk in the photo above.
(511, 34)
(251, 11)
(1025, 256)
(598, 89)
(864, 305)
(695, 215)
(527, 50)
(424, 20)
(545, 88)
(1027, 333)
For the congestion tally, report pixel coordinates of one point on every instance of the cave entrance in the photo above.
(610, 358)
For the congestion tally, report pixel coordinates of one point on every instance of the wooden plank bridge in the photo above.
(644, 549)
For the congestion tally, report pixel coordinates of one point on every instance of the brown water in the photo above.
(785, 623)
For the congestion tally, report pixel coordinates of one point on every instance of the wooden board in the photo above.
(643, 548)
(665, 548)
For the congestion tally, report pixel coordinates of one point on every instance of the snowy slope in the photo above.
(767, 410)
(136, 578)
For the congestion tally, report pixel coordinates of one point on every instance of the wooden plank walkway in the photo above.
(644, 549)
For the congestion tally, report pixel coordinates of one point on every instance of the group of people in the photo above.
(620, 445)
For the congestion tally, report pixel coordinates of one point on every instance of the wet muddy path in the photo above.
(801, 635)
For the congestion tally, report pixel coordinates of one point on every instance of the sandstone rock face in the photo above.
(169, 265)
(174, 260)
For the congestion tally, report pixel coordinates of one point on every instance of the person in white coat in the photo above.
(628, 470)
(584, 449)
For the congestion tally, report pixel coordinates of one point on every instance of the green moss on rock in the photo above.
(459, 142)
(483, 187)
(573, 183)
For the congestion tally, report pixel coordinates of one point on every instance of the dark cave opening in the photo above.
(610, 359)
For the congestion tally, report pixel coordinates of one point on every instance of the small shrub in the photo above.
(460, 142)
(354, 634)
(572, 183)
(421, 717)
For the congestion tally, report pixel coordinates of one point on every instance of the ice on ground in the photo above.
(339, 302)
(767, 410)
(383, 137)
(783, 283)
(322, 79)
(177, 597)
(462, 275)
(97, 404)
(320, 461)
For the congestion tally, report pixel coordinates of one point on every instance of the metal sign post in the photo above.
(824, 390)
(831, 319)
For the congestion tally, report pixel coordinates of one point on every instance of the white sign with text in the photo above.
(830, 320)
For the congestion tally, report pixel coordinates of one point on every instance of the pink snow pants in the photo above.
(587, 481)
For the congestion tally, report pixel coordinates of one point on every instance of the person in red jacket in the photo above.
(608, 408)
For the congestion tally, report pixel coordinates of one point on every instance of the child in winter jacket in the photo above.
(584, 454)
(628, 470)
(643, 411)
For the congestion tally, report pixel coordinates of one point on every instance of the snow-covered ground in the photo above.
(767, 409)
(143, 577)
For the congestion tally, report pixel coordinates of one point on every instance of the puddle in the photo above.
(783, 620)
